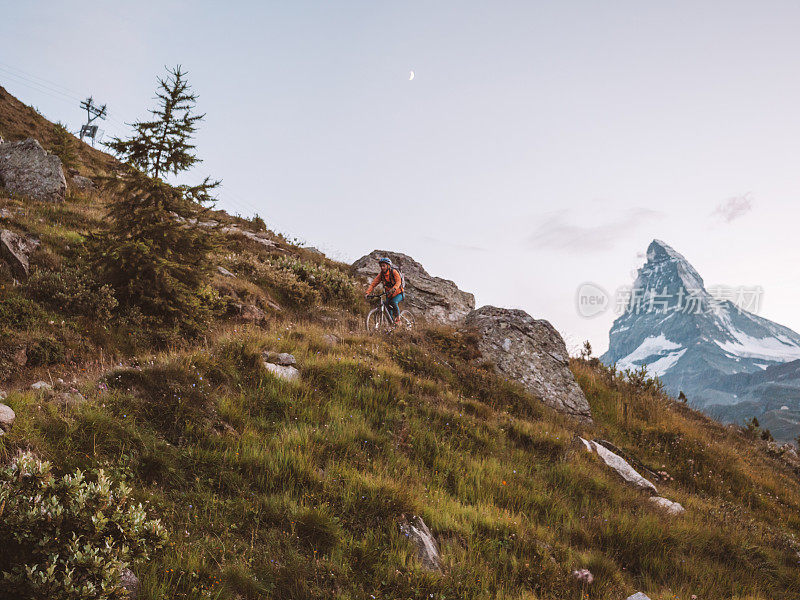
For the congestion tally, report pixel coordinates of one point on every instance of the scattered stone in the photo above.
(131, 584)
(274, 306)
(583, 576)
(531, 352)
(69, 399)
(28, 170)
(621, 466)
(586, 444)
(331, 339)
(286, 373)
(41, 385)
(3, 395)
(224, 272)
(6, 214)
(315, 250)
(16, 250)
(261, 238)
(638, 596)
(83, 183)
(415, 529)
(672, 508)
(282, 358)
(7, 418)
(431, 298)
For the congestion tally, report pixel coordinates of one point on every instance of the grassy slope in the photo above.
(276, 490)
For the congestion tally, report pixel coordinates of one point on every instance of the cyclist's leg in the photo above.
(394, 306)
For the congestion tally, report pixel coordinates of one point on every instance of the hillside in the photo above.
(299, 489)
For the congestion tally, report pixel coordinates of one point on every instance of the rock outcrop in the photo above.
(620, 465)
(432, 299)
(415, 529)
(531, 352)
(16, 250)
(28, 170)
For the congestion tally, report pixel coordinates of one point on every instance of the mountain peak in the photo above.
(658, 250)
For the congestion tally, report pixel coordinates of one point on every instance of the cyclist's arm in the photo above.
(375, 282)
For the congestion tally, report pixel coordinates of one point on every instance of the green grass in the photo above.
(294, 490)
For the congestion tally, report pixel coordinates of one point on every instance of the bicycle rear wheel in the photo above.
(374, 320)
(406, 320)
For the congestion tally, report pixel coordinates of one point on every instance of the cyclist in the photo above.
(393, 285)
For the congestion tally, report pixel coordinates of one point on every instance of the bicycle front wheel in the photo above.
(374, 320)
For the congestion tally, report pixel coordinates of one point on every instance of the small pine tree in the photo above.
(154, 253)
(63, 145)
(682, 397)
(586, 351)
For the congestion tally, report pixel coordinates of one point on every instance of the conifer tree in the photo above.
(154, 253)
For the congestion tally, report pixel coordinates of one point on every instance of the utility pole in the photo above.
(92, 112)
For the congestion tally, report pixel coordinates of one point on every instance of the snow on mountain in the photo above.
(689, 337)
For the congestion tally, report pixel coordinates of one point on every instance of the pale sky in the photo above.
(541, 145)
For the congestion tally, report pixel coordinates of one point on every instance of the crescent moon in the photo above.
(411, 76)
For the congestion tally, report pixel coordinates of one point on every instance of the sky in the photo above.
(540, 146)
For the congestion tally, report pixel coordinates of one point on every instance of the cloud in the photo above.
(733, 208)
(455, 245)
(557, 233)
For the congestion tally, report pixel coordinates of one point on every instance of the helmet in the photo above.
(385, 260)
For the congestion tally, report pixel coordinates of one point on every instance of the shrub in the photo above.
(333, 285)
(68, 537)
(74, 291)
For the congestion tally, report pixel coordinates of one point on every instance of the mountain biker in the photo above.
(392, 284)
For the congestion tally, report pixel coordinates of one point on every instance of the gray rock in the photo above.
(431, 298)
(415, 529)
(286, 373)
(3, 394)
(41, 385)
(282, 358)
(531, 352)
(672, 508)
(131, 583)
(16, 250)
(224, 272)
(69, 399)
(28, 170)
(638, 596)
(261, 238)
(7, 418)
(331, 339)
(83, 183)
(6, 214)
(621, 466)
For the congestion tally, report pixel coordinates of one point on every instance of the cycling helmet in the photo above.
(385, 260)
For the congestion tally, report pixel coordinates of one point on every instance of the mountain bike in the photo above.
(380, 319)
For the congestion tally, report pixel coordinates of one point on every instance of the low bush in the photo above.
(68, 537)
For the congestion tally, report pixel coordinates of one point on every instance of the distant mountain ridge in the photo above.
(708, 347)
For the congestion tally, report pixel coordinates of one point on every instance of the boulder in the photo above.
(251, 313)
(531, 352)
(41, 385)
(672, 508)
(130, 582)
(638, 596)
(28, 170)
(7, 418)
(621, 466)
(16, 250)
(415, 529)
(286, 373)
(431, 298)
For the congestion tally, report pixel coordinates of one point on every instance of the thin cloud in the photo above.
(557, 233)
(455, 245)
(733, 208)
